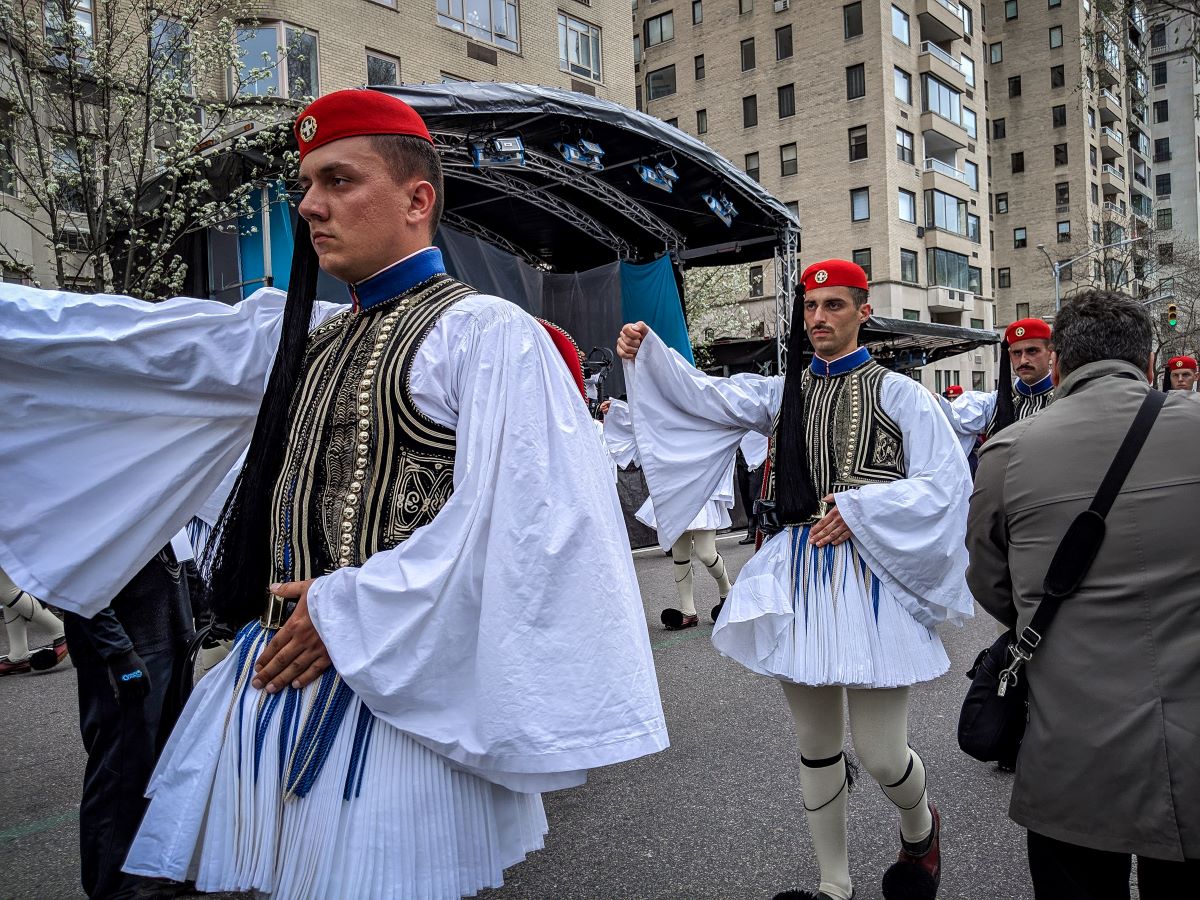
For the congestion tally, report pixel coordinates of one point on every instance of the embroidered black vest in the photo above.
(1024, 405)
(363, 467)
(851, 441)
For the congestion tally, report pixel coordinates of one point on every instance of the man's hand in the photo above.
(130, 678)
(630, 339)
(832, 529)
(604, 407)
(296, 655)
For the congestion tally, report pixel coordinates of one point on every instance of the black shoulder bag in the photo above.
(994, 713)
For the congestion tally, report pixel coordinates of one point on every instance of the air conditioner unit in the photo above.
(781, 5)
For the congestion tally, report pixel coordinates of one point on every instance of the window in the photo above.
(1092, 156)
(1165, 219)
(1001, 204)
(862, 258)
(750, 111)
(968, 69)
(968, 24)
(787, 159)
(860, 204)
(745, 6)
(747, 54)
(702, 121)
(1004, 278)
(1053, 4)
(1062, 193)
(996, 52)
(1162, 184)
(579, 45)
(673, 121)
(1158, 35)
(939, 97)
(697, 12)
(1064, 232)
(904, 145)
(660, 83)
(752, 165)
(1160, 110)
(908, 205)
(1058, 76)
(856, 81)
(756, 281)
(170, 46)
(948, 269)
(899, 24)
(908, 266)
(1158, 73)
(858, 143)
(382, 69)
(1022, 310)
(978, 324)
(783, 42)
(8, 184)
(978, 377)
(1019, 239)
(903, 85)
(60, 33)
(787, 100)
(71, 174)
(658, 30)
(699, 60)
(852, 23)
(969, 122)
(1056, 37)
(1014, 86)
(495, 22)
(911, 315)
(1060, 154)
(1018, 162)
(1058, 116)
(1166, 253)
(946, 212)
(972, 172)
(998, 130)
(1010, 9)
(1091, 118)
(1095, 192)
(1095, 232)
(294, 76)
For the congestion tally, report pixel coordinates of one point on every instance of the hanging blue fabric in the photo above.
(649, 294)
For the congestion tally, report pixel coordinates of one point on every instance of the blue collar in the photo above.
(841, 365)
(1033, 390)
(398, 278)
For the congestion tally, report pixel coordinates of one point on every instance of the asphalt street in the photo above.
(718, 815)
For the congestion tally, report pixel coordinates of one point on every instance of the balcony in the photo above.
(933, 60)
(949, 300)
(1138, 88)
(1112, 180)
(1112, 145)
(1110, 106)
(949, 240)
(942, 136)
(1115, 211)
(941, 20)
(944, 177)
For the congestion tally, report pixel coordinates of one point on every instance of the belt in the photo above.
(278, 610)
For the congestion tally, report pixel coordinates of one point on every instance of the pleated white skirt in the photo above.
(819, 616)
(713, 517)
(414, 826)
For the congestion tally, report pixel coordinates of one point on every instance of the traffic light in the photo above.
(1172, 315)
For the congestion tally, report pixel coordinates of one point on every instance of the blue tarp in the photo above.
(649, 294)
(250, 242)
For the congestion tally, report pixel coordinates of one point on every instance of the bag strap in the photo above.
(1082, 541)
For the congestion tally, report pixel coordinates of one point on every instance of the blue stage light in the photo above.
(498, 151)
(660, 176)
(721, 206)
(585, 154)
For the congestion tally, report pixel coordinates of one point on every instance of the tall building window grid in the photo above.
(1064, 232)
(382, 69)
(1017, 162)
(900, 25)
(1056, 37)
(908, 205)
(748, 54)
(904, 145)
(1058, 116)
(1058, 76)
(852, 20)
(902, 85)
(1014, 86)
(660, 83)
(750, 111)
(1158, 73)
(293, 72)
(787, 100)
(783, 42)
(1020, 238)
(856, 81)
(998, 129)
(658, 29)
(579, 47)
(752, 165)
(860, 204)
(908, 266)
(787, 160)
(496, 23)
(996, 52)
(858, 142)
(697, 12)
(862, 258)
(701, 121)
(699, 62)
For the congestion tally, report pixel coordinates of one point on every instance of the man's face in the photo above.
(360, 218)
(832, 320)
(1182, 379)
(1030, 359)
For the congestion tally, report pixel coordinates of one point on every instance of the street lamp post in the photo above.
(1059, 266)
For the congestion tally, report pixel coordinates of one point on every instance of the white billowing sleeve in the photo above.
(754, 449)
(618, 434)
(121, 418)
(974, 411)
(966, 438)
(688, 426)
(467, 635)
(912, 532)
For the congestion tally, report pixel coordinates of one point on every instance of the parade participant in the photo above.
(701, 533)
(21, 609)
(1025, 350)
(870, 491)
(1181, 370)
(429, 503)
(953, 392)
(751, 455)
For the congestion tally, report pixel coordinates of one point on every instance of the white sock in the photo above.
(681, 556)
(879, 723)
(706, 552)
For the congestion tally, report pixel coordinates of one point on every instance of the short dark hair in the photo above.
(409, 157)
(1098, 325)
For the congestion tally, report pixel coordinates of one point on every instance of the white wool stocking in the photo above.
(706, 552)
(20, 608)
(879, 723)
(681, 556)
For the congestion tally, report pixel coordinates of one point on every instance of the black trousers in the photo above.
(122, 743)
(1063, 871)
(749, 487)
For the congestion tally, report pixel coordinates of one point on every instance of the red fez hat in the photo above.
(1182, 362)
(568, 350)
(955, 390)
(351, 113)
(1026, 330)
(834, 273)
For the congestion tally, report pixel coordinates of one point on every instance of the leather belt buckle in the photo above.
(278, 610)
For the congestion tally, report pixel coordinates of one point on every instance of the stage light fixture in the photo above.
(660, 176)
(585, 154)
(721, 207)
(498, 151)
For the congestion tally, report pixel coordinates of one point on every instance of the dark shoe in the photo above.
(916, 875)
(804, 895)
(675, 620)
(48, 657)
(716, 610)
(8, 667)
(748, 539)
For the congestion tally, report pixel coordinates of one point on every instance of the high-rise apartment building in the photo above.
(867, 118)
(1069, 113)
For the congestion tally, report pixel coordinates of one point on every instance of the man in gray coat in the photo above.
(1110, 765)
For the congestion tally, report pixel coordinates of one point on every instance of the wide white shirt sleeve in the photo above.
(912, 532)
(754, 449)
(121, 418)
(618, 434)
(688, 426)
(469, 635)
(966, 439)
(973, 412)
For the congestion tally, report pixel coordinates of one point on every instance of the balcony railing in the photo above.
(1114, 172)
(1113, 98)
(953, 7)
(1113, 208)
(938, 53)
(1112, 135)
(936, 165)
